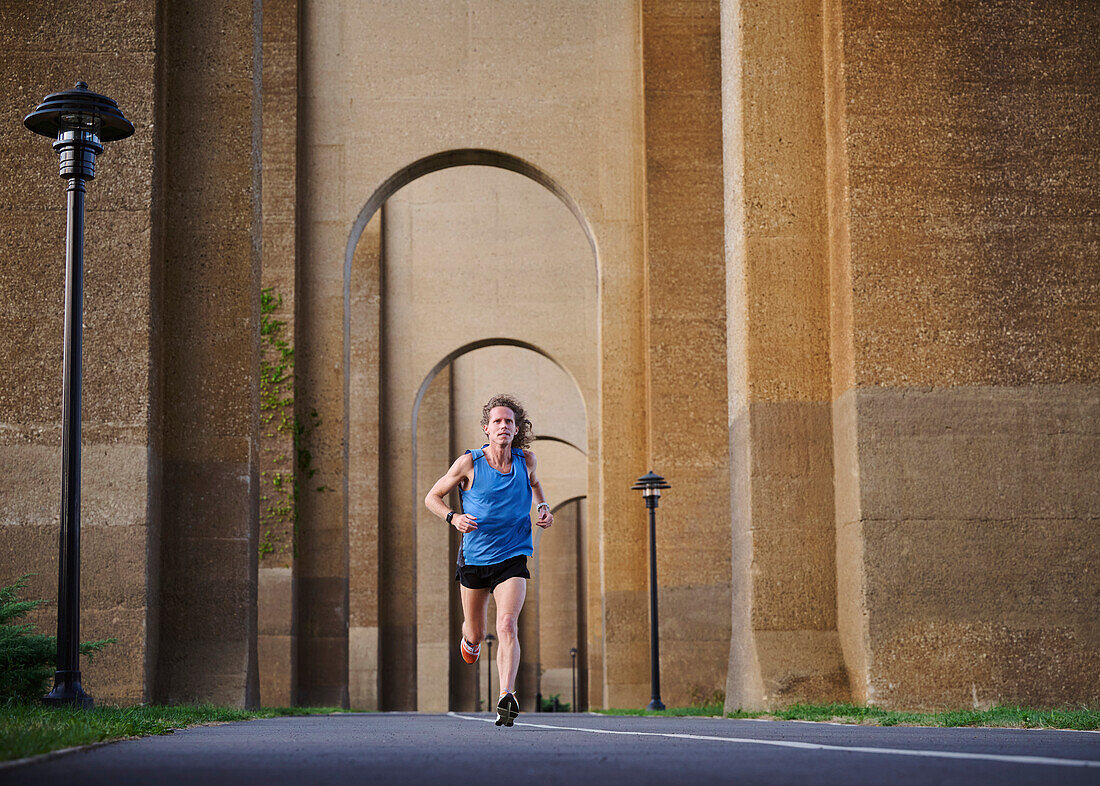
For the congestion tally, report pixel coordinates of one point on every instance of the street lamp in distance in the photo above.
(573, 655)
(651, 484)
(489, 703)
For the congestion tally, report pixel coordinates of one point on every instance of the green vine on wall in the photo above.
(280, 486)
(278, 497)
(306, 470)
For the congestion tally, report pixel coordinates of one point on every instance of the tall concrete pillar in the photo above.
(784, 646)
(277, 592)
(434, 570)
(685, 305)
(966, 379)
(208, 327)
(559, 603)
(322, 381)
(364, 467)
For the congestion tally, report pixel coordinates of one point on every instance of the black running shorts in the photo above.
(489, 576)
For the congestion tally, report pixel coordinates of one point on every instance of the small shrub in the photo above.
(554, 704)
(28, 659)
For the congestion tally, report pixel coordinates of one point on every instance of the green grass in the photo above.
(705, 710)
(1081, 718)
(32, 729)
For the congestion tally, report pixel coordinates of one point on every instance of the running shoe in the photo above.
(470, 652)
(507, 710)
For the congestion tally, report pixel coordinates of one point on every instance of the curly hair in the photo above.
(523, 425)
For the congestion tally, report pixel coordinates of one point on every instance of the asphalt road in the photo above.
(572, 749)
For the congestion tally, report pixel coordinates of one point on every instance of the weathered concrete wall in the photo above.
(47, 48)
(364, 468)
(685, 310)
(785, 645)
(433, 571)
(965, 350)
(277, 643)
(208, 378)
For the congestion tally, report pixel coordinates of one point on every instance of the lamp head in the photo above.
(80, 121)
(650, 484)
(79, 109)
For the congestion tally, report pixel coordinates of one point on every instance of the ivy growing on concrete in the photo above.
(278, 497)
(281, 485)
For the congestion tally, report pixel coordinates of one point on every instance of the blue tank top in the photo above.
(502, 505)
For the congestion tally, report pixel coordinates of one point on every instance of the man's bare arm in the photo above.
(455, 477)
(546, 518)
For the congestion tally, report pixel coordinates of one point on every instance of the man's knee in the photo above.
(473, 633)
(507, 626)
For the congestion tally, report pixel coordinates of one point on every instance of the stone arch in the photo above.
(452, 158)
(548, 438)
(365, 637)
(530, 621)
(417, 169)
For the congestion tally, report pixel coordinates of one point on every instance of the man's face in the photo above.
(502, 425)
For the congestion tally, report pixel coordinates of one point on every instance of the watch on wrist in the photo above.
(450, 516)
(542, 505)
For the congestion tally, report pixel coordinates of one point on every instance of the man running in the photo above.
(496, 484)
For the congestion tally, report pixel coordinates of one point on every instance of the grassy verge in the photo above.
(704, 711)
(32, 729)
(1009, 717)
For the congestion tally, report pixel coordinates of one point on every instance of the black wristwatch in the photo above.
(450, 516)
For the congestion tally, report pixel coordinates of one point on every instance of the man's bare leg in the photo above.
(510, 595)
(475, 612)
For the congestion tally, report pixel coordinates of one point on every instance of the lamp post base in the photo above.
(67, 692)
(655, 705)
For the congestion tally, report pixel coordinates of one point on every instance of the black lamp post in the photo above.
(79, 121)
(573, 655)
(650, 485)
(489, 703)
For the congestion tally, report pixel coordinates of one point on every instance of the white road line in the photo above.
(1045, 760)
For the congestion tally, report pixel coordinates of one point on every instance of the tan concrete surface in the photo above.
(279, 105)
(478, 220)
(364, 469)
(780, 428)
(46, 50)
(685, 301)
(974, 567)
(965, 317)
(559, 601)
(209, 321)
(276, 636)
(433, 569)
(969, 191)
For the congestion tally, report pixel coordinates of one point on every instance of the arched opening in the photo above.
(385, 607)
(446, 414)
